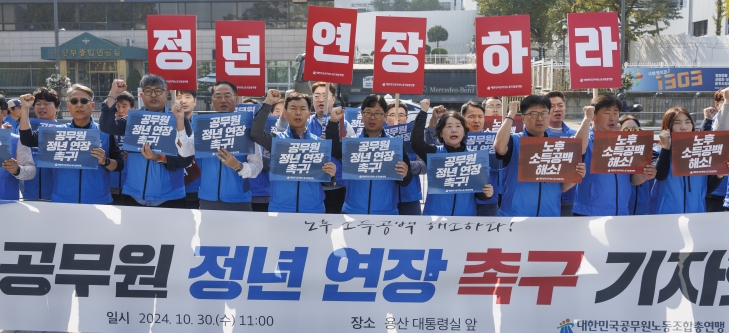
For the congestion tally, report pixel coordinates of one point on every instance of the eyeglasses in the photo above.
(376, 115)
(534, 115)
(153, 92)
(221, 96)
(491, 106)
(75, 101)
(392, 115)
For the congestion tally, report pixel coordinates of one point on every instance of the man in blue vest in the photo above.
(604, 194)
(224, 178)
(46, 104)
(120, 104)
(153, 180)
(188, 101)
(18, 167)
(557, 128)
(12, 120)
(527, 198)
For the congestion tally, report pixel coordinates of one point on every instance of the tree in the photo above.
(540, 21)
(427, 49)
(381, 5)
(424, 5)
(400, 5)
(437, 34)
(719, 18)
(133, 81)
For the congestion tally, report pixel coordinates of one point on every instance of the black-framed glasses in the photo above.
(153, 92)
(376, 115)
(75, 101)
(534, 115)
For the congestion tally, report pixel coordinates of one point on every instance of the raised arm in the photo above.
(501, 142)
(258, 130)
(583, 133)
(417, 136)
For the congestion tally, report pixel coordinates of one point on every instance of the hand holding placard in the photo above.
(402, 169)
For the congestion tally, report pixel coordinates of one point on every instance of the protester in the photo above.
(46, 104)
(493, 107)
(474, 114)
(558, 128)
(123, 103)
(19, 167)
(223, 188)
(3, 106)
(369, 196)
(82, 185)
(408, 196)
(188, 101)
(261, 186)
(639, 194)
(291, 196)
(527, 198)
(430, 137)
(451, 130)
(12, 120)
(153, 180)
(715, 200)
(677, 194)
(604, 194)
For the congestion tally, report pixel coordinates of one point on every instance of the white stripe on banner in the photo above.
(134, 269)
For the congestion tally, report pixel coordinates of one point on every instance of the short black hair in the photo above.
(186, 92)
(391, 105)
(606, 101)
(556, 93)
(228, 83)
(465, 106)
(295, 96)
(3, 103)
(373, 100)
(440, 125)
(48, 95)
(533, 100)
(126, 96)
(249, 100)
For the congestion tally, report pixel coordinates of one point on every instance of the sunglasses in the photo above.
(75, 101)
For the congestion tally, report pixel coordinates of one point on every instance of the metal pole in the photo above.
(623, 23)
(55, 28)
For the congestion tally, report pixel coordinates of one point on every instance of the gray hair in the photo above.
(80, 87)
(152, 80)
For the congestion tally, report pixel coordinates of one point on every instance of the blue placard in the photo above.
(300, 160)
(371, 158)
(68, 148)
(688, 79)
(465, 172)
(354, 117)
(271, 124)
(156, 128)
(483, 141)
(230, 131)
(35, 123)
(402, 131)
(247, 108)
(6, 144)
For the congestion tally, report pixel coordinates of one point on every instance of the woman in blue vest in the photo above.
(408, 196)
(369, 196)
(639, 195)
(474, 114)
(19, 167)
(451, 131)
(677, 194)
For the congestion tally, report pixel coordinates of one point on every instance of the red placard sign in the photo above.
(493, 123)
(621, 152)
(594, 50)
(699, 153)
(503, 60)
(399, 55)
(549, 160)
(172, 45)
(330, 36)
(240, 55)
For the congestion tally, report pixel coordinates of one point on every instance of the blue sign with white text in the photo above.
(67, 148)
(156, 128)
(271, 124)
(6, 144)
(35, 123)
(402, 131)
(299, 160)
(465, 172)
(483, 141)
(371, 158)
(247, 108)
(687, 79)
(229, 131)
(354, 117)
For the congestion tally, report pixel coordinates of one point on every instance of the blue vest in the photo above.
(117, 178)
(149, 180)
(9, 185)
(296, 197)
(601, 194)
(412, 192)
(221, 183)
(569, 196)
(639, 195)
(377, 197)
(314, 127)
(678, 195)
(460, 204)
(527, 198)
(721, 190)
(83, 185)
(41, 186)
(15, 124)
(260, 186)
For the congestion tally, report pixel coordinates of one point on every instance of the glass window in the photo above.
(700, 28)
(68, 12)
(202, 10)
(224, 10)
(141, 10)
(92, 12)
(267, 11)
(9, 13)
(298, 12)
(168, 8)
(120, 12)
(38, 13)
(10, 27)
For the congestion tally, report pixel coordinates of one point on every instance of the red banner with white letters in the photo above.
(172, 48)
(594, 50)
(330, 34)
(399, 55)
(503, 61)
(240, 55)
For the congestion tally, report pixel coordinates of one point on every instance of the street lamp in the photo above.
(564, 38)
(55, 29)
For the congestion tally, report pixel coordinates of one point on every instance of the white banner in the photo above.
(127, 269)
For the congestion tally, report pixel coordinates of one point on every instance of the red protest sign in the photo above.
(621, 152)
(240, 55)
(493, 123)
(549, 160)
(503, 61)
(594, 50)
(171, 41)
(330, 36)
(699, 153)
(399, 55)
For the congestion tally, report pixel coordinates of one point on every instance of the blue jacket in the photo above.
(14, 123)
(296, 197)
(601, 194)
(221, 183)
(721, 191)
(314, 127)
(9, 185)
(676, 194)
(639, 195)
(41, 186)
(567, 132)
(460, 204)
(117, 178)
(261, 186)
(413, 191)
(527, 198)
